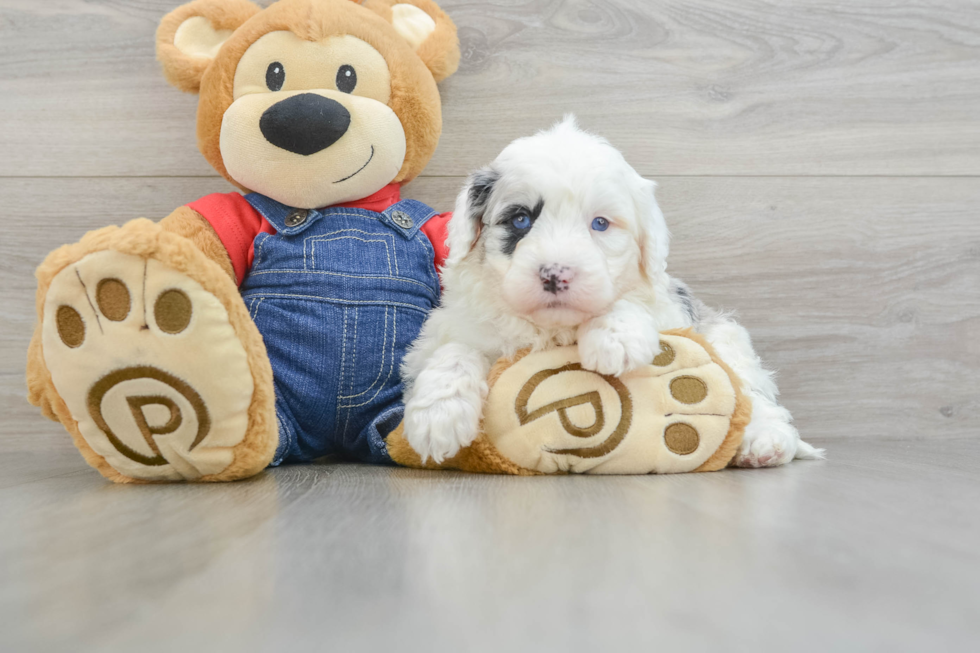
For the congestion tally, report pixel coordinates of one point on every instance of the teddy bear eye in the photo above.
(346, 79)
(275, 76)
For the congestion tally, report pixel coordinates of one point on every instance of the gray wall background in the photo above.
(818, 165)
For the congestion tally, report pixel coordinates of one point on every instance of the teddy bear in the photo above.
(247, 330)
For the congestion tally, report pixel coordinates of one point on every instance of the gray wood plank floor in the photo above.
(819, 166)
(874, 550)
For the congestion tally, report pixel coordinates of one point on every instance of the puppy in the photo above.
(560, 241)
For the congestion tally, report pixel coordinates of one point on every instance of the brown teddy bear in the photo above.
(249, 330)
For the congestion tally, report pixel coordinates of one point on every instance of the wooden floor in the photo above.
(873, 550)
(819, 166)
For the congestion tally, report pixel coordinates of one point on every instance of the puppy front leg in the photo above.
(623, 339)
(445, 403)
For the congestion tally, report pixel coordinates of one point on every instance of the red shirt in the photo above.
(237, 224)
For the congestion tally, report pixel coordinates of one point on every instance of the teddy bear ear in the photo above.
(427, 28)
(190, 36)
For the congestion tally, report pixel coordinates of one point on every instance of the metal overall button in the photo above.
(296, 218)
(402, 219)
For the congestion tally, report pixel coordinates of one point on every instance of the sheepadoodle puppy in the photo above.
(560, 241)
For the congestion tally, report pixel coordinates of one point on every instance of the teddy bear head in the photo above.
(313, 102)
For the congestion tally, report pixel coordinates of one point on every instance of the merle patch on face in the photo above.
(518, 220)
(481, 187)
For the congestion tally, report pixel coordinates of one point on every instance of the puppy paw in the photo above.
(443, 411)
(438, 428)
(614, 351)
(770, 439)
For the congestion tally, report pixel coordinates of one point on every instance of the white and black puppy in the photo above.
(560, 241)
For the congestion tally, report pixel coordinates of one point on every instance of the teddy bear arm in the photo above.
(190, 224)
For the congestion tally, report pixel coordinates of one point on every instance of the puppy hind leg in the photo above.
(734, 345)
(770, 438)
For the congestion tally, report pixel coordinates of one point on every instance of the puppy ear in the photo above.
(190, 36)
(653, 233)
(427, 28)
(466, 224)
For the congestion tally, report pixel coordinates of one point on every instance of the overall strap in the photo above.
(285, 219)
(407, 217)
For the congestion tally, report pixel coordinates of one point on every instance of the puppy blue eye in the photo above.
(600, 224)
(521, 222)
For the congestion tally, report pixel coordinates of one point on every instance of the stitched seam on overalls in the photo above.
(382, 368)
(254, 308)
(391, 367)
(349, 215)
(258, 254)
(284, 430)
(432, 272)
(353, 230)
(353, 354)
(343, 352)
(352, 302)
(320, 239)
(340, 405)
(354, 215)
(349, 276)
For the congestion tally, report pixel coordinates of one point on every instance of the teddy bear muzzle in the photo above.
(305, 124)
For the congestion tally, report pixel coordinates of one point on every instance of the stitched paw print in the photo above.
(548, 412)
(149, 366)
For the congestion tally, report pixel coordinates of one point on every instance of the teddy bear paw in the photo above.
(149, 366)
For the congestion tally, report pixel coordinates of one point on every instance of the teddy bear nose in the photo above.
(305, 124)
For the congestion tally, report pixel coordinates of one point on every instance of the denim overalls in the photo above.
(339, 294)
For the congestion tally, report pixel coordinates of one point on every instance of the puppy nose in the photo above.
(305, 124)
(556, 278)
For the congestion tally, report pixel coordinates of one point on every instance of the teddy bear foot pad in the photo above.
(549, 414)
(545, 414)
(149, 366)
